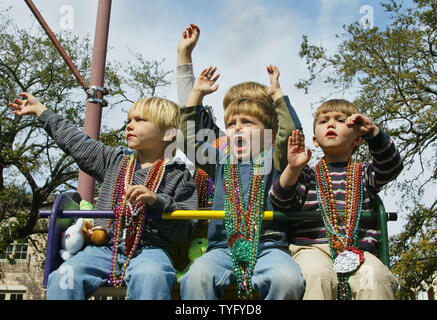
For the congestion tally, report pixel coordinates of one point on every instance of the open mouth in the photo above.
(240, 143)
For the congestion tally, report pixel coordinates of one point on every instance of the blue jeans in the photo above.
(276, 276)
(149, 275)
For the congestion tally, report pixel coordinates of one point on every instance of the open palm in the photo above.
(28, 105)
(206, 80)
(298, 156)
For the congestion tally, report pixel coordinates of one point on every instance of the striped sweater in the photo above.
(385, 166)
(176, 192)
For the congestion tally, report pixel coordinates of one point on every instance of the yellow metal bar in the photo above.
(204, 214)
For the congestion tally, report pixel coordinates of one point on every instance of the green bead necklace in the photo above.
(243, 221)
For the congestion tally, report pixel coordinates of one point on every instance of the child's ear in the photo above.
(315, 142)
(170, 134)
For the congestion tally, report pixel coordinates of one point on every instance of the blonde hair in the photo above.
(162, 112)
(335, 105)
(246, 89)
(254, 107)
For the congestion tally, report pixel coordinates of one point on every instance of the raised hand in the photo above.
(362, 126)
(28, 105)
(203, 85)
(275, 89)
(187, 43)
(298, 156)
(206, 80)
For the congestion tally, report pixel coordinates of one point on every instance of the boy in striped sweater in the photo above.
(134, 184)
(336, 256)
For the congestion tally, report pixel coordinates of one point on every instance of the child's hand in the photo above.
(139, 193)
(205, 81)
(362, 125)
(30, 105)
(298, 156)
(187, 43)
(275, 89)
(203, 85)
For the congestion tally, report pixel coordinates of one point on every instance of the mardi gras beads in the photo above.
(129, 216)
(205, 188)
(243, 221)
(343, 246)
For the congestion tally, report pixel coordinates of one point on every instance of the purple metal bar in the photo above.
(56, 227)
(96, 214)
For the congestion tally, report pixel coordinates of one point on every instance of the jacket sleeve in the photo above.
(294, 197)
(184, 82)
(386, 162)
(184, 198)
(92, 156)
(288, 121)
(199, 134)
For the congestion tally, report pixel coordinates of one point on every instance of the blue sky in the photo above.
(240, 37)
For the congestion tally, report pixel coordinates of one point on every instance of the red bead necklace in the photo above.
(343, 246)
(134, 215)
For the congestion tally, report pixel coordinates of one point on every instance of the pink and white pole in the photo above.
(93, 113)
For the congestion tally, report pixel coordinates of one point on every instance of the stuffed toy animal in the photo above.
(72, 240)
(97, 236)
(79, 234)
(197, 248)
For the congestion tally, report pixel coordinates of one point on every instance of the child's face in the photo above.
(142, 134)
(333, 136)
(245, 135)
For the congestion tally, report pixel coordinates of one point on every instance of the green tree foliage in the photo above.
(392, 74)
(32, 168)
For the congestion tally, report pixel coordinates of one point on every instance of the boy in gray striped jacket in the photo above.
(134, 184)
(335, 256)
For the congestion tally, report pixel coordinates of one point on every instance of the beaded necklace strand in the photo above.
(205, 188)
(243, 221)
(134, 215)
(343, 245)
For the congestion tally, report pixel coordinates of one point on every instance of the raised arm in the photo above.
(196, 117)
(203, 86)
(91, 156)
(287, 118)
(298, 157)
(27, 106)
(387, 163)
(289, 191)
(184, 70)
(187, 43)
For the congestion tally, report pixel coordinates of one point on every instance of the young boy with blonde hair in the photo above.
(134, 184)
(336, 256)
